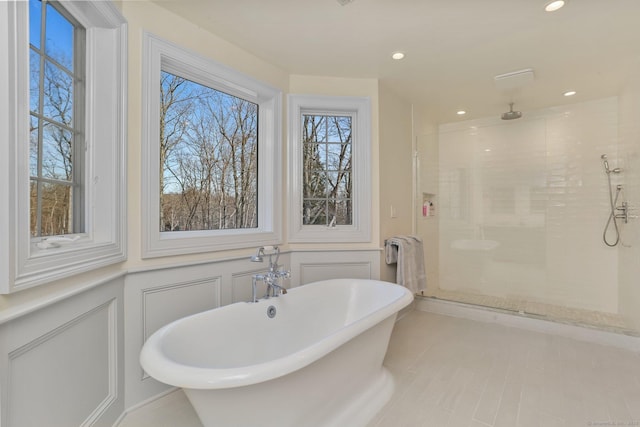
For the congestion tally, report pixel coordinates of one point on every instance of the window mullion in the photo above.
(43, 28)
(80, 209)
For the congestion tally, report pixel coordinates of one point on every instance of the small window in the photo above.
(208, 156)
(56, 149)
(326, 180)
(330, 146)
(211, 155)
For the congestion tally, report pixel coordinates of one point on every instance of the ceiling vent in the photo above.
(514, 79)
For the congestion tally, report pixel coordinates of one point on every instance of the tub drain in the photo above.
(271, 312)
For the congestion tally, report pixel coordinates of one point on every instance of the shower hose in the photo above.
(612, 216)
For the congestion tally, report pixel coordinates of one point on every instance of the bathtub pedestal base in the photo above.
(347, 387)
(364, 407)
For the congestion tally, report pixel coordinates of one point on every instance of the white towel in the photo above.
(407, 252)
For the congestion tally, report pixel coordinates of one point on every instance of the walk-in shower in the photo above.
(521, 207)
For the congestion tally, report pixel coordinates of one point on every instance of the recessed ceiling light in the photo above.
(487, 150)
(397, 55)
(570, 93)
(461, 112)
(554, 5)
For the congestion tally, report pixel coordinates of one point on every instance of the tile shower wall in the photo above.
(523, 204)
(629, 134)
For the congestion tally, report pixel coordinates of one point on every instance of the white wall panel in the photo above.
(164, 304)
(241, 286)
(156, 297)
(73, 366)
(311, 266)
(75, 362)
(62, 365)
(313, 272)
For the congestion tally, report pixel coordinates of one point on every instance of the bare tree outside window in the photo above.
(56, 83)
(208, 158)
(327, 173)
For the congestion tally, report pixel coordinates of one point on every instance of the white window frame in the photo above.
(161, 55)
(26, 262)
(360, 108)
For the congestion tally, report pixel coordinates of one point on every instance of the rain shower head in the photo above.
(511, 115)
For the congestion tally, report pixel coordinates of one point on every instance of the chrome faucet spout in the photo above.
(274, 275)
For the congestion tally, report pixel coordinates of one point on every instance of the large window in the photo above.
(211, 155)
(330, 147)
(62, 139)
(208, 156)
(56, 149)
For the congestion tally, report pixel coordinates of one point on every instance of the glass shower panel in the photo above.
(521, 206)
(489, 213)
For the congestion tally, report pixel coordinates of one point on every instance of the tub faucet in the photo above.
(272, 277)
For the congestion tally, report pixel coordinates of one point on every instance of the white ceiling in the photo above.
(454, 48)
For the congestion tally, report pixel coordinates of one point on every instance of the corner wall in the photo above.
(427, 185)
(395, 172)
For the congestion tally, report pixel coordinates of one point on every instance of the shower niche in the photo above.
(428, 205)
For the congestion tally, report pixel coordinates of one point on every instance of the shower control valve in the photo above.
(623, 212)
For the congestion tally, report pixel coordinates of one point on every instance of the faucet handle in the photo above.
(284, 274)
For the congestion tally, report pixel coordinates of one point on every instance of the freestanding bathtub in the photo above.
(317, 362)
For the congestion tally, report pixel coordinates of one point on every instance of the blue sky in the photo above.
(59, 33)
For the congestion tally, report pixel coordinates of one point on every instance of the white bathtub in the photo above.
(317, 363)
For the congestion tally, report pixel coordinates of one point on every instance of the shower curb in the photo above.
(527, 322)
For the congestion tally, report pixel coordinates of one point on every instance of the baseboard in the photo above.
(527, 322)
(143, 404)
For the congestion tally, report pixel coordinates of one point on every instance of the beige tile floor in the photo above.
(457, 372)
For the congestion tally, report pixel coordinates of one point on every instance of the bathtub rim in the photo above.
(174, 373)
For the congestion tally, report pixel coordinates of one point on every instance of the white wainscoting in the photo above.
(311, 266)
(156, 297)
(62, 365)
(75, 360)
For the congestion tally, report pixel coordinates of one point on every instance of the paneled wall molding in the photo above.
(110, 310)
(62, 364)
(157, 295)
(311, 272)
(19, 308)
(75, 337)
(312, 265)
(163, 304)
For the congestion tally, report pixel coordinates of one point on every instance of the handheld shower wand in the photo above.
(606, 166)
